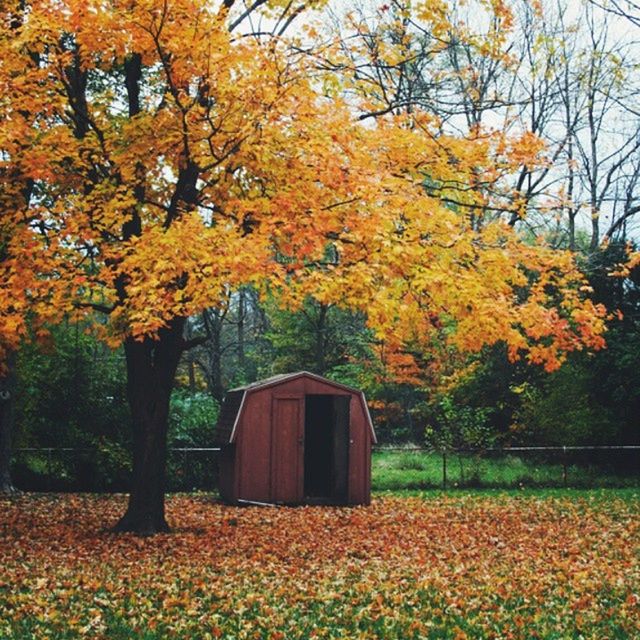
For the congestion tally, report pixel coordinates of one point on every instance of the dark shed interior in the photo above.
(326, 446)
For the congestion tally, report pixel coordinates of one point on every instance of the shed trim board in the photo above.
(279, 379)
(237, 420)
(286, 377)
(365, 406)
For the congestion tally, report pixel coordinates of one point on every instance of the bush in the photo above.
(192, 418)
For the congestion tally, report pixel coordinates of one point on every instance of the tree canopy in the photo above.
(155, 156)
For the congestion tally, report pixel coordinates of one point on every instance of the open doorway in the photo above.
(326, 447)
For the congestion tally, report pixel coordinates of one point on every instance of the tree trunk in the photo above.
(7, 399)
(214, 320)
(215, 363)
(191, 368)
(241, 316)
(151, 367)
(320, 346)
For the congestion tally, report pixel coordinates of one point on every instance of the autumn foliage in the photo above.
(170, 160)
(153, 158)
(449, 567)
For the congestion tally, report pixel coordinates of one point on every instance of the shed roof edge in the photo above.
(286, 377)
(276, 380)
(235, 422)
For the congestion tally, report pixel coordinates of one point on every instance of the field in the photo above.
(396, 469)
(559, 565)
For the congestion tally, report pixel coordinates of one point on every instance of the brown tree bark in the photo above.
(21, 198)
(321, 339)
(242, 361)
(151, 367)
(214, 322)
(7, 399)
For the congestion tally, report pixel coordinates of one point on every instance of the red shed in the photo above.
(293, 439)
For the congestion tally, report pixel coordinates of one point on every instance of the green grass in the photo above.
(415, 470)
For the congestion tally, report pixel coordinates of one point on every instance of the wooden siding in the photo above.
(357, 462)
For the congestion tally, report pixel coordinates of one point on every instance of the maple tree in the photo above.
(172, 158)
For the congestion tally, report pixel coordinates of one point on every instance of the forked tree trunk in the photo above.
(7, 399)
(151, 367)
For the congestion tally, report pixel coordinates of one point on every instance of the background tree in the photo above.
(627, 9)
(18, 193)
(7, 393)
(71, 394)
(322, 338)
(232, 340)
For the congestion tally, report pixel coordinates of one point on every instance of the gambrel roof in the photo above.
(234, 401)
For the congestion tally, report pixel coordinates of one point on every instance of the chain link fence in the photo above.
(71, 469)
(393, 468)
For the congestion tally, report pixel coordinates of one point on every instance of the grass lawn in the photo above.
(491, 565)
(396, 469)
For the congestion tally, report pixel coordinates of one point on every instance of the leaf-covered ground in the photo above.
(406, 567)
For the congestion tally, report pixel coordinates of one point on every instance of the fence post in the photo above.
(185, 470)
(49, 468)
(564, 466)
(444, 469)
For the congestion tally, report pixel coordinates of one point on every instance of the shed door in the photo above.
(341, 439)
(287, 449)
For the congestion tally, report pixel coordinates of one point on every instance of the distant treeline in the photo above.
(72, 393)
